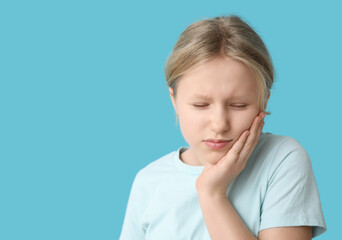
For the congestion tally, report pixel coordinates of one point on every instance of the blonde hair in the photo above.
(221, 36)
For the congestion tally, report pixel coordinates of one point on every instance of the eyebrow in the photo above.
(207, 97)
(201, 96)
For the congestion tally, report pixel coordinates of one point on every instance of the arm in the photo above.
(131, 228)
(219, 215)
(224, 223)
(222, 220)
(285, 233)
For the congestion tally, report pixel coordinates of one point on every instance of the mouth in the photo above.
(216, 144)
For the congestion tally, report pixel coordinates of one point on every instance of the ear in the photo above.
(268, 97)
(172, 98)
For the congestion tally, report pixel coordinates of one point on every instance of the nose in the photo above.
(219, 120)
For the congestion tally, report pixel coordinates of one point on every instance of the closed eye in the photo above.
(200, 105)
(239, 106)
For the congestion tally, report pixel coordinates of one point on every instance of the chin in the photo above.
(214, 157)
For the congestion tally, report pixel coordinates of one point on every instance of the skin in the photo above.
(215, 100)
(218, 99)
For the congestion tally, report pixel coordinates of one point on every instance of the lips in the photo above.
(216, 144)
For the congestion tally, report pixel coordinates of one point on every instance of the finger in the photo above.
(246, 138)
(253, 138)
(261, 126)
(256, 127)
(234, 152)
(240, 143)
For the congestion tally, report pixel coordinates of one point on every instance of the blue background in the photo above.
(84, 103)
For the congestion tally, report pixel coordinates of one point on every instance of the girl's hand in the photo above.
(215, 179)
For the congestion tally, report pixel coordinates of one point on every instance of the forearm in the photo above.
(222, 220)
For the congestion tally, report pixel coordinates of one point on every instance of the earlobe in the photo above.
(172, 97)
(268, 97)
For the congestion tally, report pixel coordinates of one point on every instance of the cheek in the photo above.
(244, 120)
(190, 124)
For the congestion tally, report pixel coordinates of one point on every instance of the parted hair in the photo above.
(221, 36)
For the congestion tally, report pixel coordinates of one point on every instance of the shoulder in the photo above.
(279, 146)
(159, 167)
(279, 142)
(283, 152)
(290, 196)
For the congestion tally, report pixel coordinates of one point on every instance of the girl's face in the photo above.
(215, 102)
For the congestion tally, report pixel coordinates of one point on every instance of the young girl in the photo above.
(233, 182)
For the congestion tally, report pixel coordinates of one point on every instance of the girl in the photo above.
(233, 182)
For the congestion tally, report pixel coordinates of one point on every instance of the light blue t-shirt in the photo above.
(277, 188)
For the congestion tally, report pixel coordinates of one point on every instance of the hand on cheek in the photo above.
(215, 179)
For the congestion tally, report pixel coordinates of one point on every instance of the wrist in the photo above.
(207, 191)
(211, 195)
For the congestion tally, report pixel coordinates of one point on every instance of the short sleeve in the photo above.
(292, 197)
(132, 228)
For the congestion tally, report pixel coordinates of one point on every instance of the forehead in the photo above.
(220, 77)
